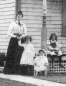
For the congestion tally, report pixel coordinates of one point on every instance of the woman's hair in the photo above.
(20, 13)
(53, 34)
(28, 37)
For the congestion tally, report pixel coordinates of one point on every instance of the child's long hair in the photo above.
(28, 37)
(53, 34)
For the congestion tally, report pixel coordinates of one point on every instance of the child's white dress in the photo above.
(28, 54)
(56, 49)
(41, 63)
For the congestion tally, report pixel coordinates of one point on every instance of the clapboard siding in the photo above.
(7, 2)
(54, 21)
(8, 5)
(7, 15)
(32, 10)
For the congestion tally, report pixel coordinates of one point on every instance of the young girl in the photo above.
(26, 62)
(40, 63)
(55, 48)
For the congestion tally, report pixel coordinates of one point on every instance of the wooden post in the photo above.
(44, 29)
(64, 18)
(18, 6)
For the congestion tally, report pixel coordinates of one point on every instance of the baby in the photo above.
(40, 63)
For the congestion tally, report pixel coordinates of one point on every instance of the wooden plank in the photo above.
(30, 17)
(31, 10)
(54, 15)
(33, 21)
(6, 21)
(54, 29)
(7, 13)
(5, 2)
(54, 26)
(3, 47)
(5, 24)
(36, 41)
(7, 9)
(36, 38)
(31, 6)
(34, 33)
(53, 18)
(54, 22)
(8, 5)
(32, 13)
(6, 17)
(33, 25)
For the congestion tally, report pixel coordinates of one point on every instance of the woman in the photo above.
(17, 30)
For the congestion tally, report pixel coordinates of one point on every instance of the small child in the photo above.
(55, 48)
(40, 63)
(27, 59)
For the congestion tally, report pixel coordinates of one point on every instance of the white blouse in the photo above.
(15, 28)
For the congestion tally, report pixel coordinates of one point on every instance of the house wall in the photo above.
(32, 10)
(7, 15)
(54, 21)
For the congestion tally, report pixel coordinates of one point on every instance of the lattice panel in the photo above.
(57, 69)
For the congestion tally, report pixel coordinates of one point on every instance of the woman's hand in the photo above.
(18, 35)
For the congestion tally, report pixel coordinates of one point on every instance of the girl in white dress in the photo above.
(40, 63)
(55, 48)
(27, 59)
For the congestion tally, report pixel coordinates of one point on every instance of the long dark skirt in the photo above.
(14, 53)
(26, 69)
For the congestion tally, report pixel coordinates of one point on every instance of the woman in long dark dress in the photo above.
(17, 30)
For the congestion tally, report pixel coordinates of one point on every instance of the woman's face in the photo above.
(53, 38)
(19, 17)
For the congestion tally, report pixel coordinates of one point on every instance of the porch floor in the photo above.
(19, 80)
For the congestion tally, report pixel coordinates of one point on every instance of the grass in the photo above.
(59, 78)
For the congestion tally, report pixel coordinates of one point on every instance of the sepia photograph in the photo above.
(32, 42)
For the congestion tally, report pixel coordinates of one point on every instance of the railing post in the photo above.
(44, 29)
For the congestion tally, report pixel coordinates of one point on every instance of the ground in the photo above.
(60, 78)
(41, 80)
